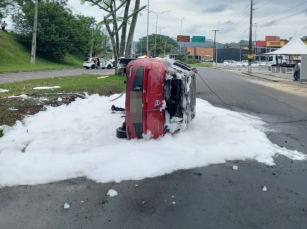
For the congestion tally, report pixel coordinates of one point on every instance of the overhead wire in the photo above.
(263, 4)
(236, 17)
(286, 17)
(281, 12)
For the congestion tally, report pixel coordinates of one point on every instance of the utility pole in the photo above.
(91, 54)
(215, 52)
(33, 52)
(147, 26)
(250, 40)
(240, 51)
(255, 42)
(181, 19)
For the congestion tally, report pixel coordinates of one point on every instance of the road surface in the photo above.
(209, 197)
(20, 76)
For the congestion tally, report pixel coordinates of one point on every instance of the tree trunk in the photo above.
(124, 30)
(132, 29)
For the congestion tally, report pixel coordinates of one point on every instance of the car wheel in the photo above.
(87, 67)
(93, 67)
(109, 66)
(120, 133)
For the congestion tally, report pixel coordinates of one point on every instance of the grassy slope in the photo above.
(16, 57)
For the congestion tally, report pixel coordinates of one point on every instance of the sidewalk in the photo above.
(279, 81)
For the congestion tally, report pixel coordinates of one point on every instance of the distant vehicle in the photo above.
(105, 63)
(244, 63)
(89, 63)
(263, 64)
(229, 63)
(209, 60)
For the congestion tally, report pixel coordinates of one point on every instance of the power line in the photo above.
(233, 25)
(281, 12)
(238, 16)
(287, 17)
(263, 4)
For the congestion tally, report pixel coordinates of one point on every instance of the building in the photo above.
(270, 44)
(194, 53)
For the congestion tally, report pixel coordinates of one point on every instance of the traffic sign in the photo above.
(199, 39)
(183, 38)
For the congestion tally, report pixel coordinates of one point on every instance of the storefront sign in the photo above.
(275, 43)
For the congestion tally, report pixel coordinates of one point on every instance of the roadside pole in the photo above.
(240, 51)
(215, 49)
(250, 40)
(33, 51)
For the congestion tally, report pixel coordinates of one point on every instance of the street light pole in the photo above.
(33, 51)
(181, 19)
(141, 43)
(157, 14)
(215, 48)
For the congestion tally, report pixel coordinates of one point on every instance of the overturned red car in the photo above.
(160, 98)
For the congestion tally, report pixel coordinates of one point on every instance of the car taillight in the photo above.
(88, 62)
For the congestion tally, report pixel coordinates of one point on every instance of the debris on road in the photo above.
(264, 189)
(112, 193)
(235, 167)
(45, 88)
(66, 206)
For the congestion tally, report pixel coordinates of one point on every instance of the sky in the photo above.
(282, 18)
(75, 141)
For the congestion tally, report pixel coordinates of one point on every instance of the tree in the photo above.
(164, 43)
(6, 6)
(114, 24)
(59, 32)
(100, 41)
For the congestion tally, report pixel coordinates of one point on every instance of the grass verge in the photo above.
(12, 109)
(203, 64)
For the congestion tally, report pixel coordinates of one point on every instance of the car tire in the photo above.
(93, 67)
(87, 67)
(120, 133)
(109, 66)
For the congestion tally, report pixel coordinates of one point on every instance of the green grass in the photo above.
(70, 84)
(16, 57)
(203, 64)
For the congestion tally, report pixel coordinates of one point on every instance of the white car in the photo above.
(263, 64)
(89, 63)
(244, 63)
(229, 63)
(105, 63)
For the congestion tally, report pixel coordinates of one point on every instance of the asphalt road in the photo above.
(20, 76)
(209, 197)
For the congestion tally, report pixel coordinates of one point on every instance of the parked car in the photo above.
(89, 63)
(105, 63)
(263, 64)
(244, 63)
(160, 97)
(229, 63)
